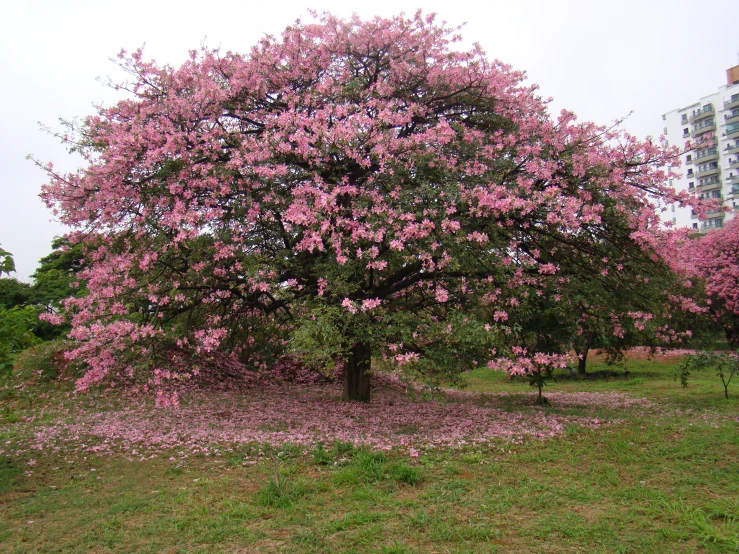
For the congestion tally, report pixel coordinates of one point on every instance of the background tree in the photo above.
(16, 320)
(14, 293)
(351, 188)
(57, 278)
(712, 261)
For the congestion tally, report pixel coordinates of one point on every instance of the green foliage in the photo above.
(726, 365)
(278, 492)
(14, 293)
(16, 333)
(56, 280)
(321, 455)
(318, 337)
(7, 265)
(401, 472)
(21, 303)
(717, 524)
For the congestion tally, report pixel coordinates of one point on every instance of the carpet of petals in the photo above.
(212, 422)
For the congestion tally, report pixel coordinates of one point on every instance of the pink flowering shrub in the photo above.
(345, 186)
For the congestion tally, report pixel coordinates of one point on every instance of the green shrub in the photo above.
(16, 334)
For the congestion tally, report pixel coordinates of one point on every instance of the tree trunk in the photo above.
(356, 373)
(540, 399)
(732, 337)
(582, 360)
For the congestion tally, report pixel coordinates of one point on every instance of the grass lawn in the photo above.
(661, 476)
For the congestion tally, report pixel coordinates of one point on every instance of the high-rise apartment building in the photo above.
(711, 168)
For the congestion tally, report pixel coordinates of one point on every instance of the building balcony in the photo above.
(704, 127)
(732, 132)
(729, 118)
(734, 164)
(732, 180)
(702, 113)
(733, 103)
(732, 149)
(705, 158)
(707, 172)
(712, 184)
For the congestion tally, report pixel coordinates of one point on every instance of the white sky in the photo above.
(600, 59)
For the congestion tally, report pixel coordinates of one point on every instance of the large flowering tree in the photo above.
(349, 189)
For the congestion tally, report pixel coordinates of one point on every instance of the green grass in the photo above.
(652, 483)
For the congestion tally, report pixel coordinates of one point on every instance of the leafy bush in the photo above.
(16, 334)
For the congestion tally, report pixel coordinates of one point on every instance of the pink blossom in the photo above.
(441, 294)
(370, 304)
(349, 305)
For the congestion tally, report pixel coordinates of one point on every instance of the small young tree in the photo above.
(352, 188)
(726, 365)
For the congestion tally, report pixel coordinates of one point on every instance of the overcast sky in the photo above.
(600, 59)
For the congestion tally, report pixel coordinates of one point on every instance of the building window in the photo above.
(665, 130)
(689, 158)
(686, 132)
(690, 171)
(695, 225)
(674, 221)
(673, 208)
(691, 186)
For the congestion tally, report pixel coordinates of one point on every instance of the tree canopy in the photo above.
(346, 190)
